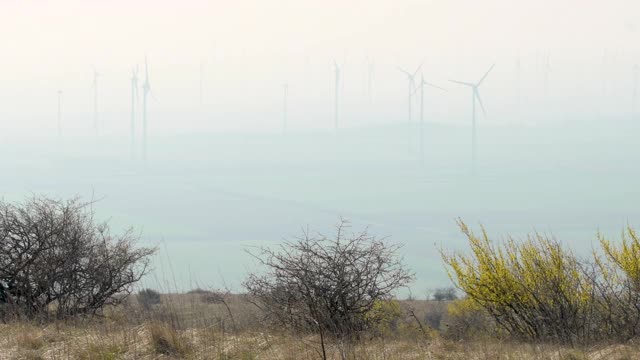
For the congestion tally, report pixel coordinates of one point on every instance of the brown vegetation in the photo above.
(330, 286)
(183, 327)
(55, 260)
(319, 297)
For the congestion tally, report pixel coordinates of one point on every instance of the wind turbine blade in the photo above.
(146, 69)
(136, 91)
(418, 69)
(148, 91)
(412, 82)
(462, 83)
(476, 93)
(433, 86)
(485, 74)
(404, 71)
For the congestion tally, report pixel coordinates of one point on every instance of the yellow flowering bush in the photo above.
(534, 289)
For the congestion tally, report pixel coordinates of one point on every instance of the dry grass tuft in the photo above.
(102, 352)
(29, 355)
(167, 341)
(185, 327)
(30, 341)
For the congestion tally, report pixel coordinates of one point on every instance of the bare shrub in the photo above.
(213, 296)
(464, 319)
(444, 294)
(327, 285)
(198, 291)
(435, 315)
(54, 258)
(148, 298)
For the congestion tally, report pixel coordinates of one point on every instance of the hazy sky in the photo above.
(557, 149)
(67, 33)
(249, 48)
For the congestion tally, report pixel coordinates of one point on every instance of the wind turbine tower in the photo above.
(336, 93)
(475, 95)
(411, 77)
(134, 101)
(423, 83)
(146, 90)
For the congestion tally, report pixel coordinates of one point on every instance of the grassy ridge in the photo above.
(192, 326)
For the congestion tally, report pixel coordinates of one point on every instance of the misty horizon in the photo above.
(556, 149)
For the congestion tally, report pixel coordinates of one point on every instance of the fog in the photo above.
(556, 150)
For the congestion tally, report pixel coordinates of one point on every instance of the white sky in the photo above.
(250, 47)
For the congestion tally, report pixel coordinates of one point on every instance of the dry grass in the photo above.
(188, 345)
(159, 342)
(183, 327)
(167, 341)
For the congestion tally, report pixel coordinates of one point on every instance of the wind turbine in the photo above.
(59, 113)
(95, 100)
(422, 84)
(475, 95)
(411, 77)
(284, 108)
(336, 93)
(134, 101)
(146, 90)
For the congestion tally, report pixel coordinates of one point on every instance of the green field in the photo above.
(206, 198)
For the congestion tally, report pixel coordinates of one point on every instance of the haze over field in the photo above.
(557, 150)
